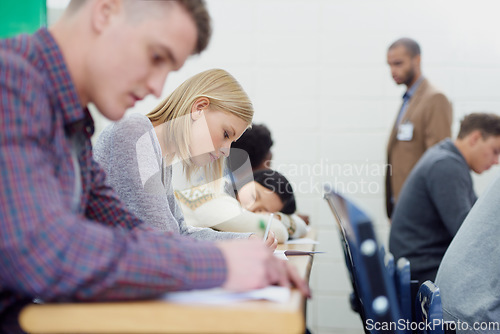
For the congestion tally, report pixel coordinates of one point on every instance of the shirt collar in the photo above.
(409, 93)
(448, 144)
(65, 99)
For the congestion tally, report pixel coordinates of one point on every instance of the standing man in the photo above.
(65, 234)
(438, 194)
(423, 120)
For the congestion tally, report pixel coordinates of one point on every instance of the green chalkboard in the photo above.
(21, 16)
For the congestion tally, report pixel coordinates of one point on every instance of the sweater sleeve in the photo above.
(133, 167)
(296, 226)
(224, 213)
(204, 233)
(449, 187)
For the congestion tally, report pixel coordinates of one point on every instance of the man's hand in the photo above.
(252, 265)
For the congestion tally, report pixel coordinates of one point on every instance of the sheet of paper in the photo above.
(302, 241)
(280, 254)
(220, 296)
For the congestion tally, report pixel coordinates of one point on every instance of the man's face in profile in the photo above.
(402, 65)
(132, 58)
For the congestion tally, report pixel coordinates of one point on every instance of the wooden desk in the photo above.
(154, 316)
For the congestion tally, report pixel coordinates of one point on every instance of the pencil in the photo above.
(268, 226)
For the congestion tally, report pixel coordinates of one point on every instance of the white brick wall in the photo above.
(316, 72)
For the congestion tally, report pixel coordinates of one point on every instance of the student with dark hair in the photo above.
(257, 143)
(439, 194)
(273, 184)
(270, 192)
(251, 153)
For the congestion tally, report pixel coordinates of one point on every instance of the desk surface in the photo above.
(155, 316)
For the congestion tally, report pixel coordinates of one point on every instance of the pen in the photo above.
(268, 226)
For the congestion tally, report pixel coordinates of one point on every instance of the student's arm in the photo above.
(450, 190)
(296, 227)
(205, 233)
(224, 213)
(438, 118)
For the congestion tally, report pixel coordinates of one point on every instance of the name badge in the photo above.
(405, 131)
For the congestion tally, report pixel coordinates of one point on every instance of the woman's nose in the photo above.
(225, 151)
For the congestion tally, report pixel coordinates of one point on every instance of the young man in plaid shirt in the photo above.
(64, 234)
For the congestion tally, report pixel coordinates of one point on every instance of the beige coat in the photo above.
(430, 112)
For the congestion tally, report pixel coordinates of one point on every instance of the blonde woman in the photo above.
(195, 125)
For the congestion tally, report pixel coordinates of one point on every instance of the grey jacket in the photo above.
(469, 273)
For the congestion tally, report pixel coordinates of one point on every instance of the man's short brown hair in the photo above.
(487, 123)
(197, 9)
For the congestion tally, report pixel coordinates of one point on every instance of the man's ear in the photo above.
(474, 137)
(199, 107)
(416, 61)
(103, 11)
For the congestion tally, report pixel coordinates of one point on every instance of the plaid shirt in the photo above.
(51, 246)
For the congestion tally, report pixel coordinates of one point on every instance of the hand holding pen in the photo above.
(269, 237)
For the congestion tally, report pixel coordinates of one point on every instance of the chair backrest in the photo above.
(389, 263)
(400, 274)
(372, 285)
(403, 285)
(429, 310)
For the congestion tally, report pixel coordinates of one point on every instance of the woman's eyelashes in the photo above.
(226, 135)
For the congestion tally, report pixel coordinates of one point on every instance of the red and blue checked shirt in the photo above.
(51, 246)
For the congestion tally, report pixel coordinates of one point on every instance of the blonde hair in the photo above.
(224, 93)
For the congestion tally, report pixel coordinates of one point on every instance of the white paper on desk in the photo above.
(280, 254)
(302, 241)
(220, 296)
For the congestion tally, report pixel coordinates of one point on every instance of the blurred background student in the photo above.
(269, 192)
(250, 153)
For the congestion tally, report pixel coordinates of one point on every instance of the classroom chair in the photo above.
(429, 311)
(400, 275)
(373, 287)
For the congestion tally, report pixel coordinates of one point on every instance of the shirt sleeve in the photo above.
(449, 188)
(49, 252)
(438, 120)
